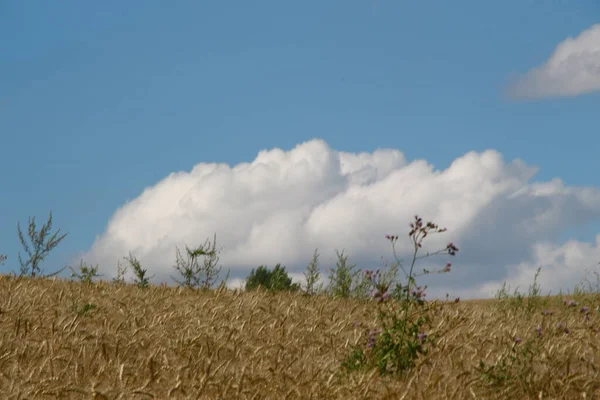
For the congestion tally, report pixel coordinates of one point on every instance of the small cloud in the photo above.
(572, 70)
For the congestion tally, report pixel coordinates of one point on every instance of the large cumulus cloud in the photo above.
(284, 204)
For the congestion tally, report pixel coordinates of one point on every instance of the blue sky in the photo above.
(100, 100)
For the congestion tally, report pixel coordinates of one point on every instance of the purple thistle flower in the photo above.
(560, 325)
(373, 338)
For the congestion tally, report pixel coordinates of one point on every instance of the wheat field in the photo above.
(68, 340)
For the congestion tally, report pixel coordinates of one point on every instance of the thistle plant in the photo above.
(394, 347)
(590, 288)
(81, 310)
(86, 273)
(518, 301)
(140, 280)
(517, 362)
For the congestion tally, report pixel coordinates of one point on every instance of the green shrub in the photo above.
(275, 280)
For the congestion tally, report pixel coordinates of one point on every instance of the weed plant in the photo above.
(312, 276)
(86, 273)
(39, 247)
(518, 302)
(394, 346)
(195, 275)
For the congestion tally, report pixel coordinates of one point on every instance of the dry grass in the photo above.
(167, 343)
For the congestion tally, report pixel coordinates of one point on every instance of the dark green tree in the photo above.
(275, 280)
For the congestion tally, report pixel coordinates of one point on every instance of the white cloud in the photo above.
(573, 69)
(572, 262)
(284, 204)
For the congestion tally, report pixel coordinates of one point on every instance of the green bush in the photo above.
(275, 280)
